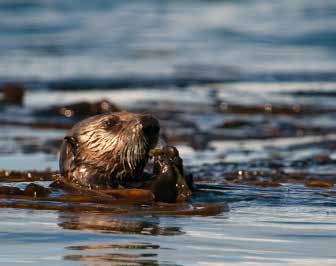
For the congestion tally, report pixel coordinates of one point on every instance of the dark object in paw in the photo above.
(169, 184)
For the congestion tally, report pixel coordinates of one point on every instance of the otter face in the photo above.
(110, 147)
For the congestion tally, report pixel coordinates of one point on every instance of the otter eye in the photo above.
(110, 123)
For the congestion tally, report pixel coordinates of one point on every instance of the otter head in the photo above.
(108, 149)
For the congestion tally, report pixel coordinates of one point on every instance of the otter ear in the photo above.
(72, 141)
(68, 154)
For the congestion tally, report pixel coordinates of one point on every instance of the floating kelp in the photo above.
(62, 196)
(78, 109)
(26, 176)
(12, 93)
(38, 124)
(269, 108)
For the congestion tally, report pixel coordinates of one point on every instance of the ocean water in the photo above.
(124, 43)
(181, 58)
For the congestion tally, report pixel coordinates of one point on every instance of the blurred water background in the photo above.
(47, 40)
(195, 55)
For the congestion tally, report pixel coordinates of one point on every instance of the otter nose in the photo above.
(150, 125)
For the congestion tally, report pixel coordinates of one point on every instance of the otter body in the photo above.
(108, 150)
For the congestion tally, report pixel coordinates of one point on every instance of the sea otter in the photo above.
(111, 151)
(108, 150)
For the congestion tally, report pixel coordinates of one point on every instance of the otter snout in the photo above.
(150, 125)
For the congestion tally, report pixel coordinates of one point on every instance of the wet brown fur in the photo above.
(108, 150)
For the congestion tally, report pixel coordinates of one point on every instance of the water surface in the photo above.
(244, 89)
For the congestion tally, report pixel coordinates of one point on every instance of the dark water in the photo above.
(162, 42)
(245, 89)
